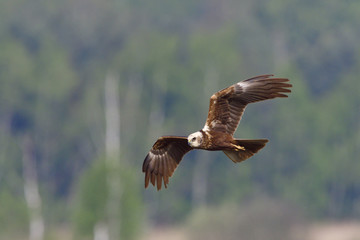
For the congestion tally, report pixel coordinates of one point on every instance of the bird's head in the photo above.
(195, 139)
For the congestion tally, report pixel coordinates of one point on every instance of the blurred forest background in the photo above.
(87, 86)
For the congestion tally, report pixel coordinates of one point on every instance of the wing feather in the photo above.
(227, 106)
(163, 158)
(153, 178)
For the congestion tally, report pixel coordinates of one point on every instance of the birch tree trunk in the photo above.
(203, 159)
(31, 190)
(110, 228)
(112, 145)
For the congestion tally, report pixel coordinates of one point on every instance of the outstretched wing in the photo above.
(228, 105)
(163, 158)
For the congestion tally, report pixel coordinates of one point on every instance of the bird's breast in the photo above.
(215, 141)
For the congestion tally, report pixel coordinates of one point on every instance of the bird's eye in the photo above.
(193, 139)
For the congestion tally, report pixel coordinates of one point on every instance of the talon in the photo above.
(238, 148)
(241, 148)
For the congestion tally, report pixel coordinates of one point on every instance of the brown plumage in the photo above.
(225, 111)
(163, 158)
(227, 106)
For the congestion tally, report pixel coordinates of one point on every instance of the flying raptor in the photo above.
(225, 111)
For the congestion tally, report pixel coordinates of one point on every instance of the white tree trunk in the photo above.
(31, 191)
(101, 231)
(112, 115)
(203, 159)
(110, 228)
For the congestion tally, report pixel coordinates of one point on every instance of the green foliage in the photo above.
(131, 204)
(91, 204)
(13, 214)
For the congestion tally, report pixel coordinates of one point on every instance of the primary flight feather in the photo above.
(225, 111)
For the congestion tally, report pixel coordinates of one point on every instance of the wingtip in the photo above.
(282, 95)
(146, 179)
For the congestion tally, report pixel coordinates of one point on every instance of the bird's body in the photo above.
(225, 111)
(212, 140)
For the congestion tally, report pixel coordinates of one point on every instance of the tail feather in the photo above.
(251, 146)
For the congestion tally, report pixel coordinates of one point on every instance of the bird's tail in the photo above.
(251, 146)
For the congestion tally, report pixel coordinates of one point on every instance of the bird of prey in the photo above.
(225, 111)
